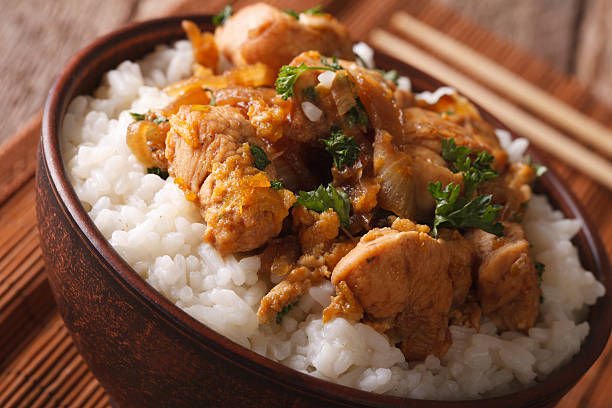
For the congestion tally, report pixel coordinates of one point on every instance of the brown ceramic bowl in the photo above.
(146, 352)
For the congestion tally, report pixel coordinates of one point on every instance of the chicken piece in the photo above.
(508, 284)
(284, 294)
(457, 109)
(467, 314)
(344, 304)
(427, 129)
(461, 260)
(262, 33)
(315, 229)
(512, 191)
(211, 160)
(403, 275)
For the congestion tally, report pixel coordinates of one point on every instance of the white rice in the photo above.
(150, 223)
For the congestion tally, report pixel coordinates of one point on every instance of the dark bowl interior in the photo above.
(146, 351)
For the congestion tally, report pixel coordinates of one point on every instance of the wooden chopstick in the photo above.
(506, 82)
(538, 132)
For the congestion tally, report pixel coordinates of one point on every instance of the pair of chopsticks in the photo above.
(509, 84)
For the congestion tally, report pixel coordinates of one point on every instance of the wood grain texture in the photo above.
(24, 378)
(594, 52)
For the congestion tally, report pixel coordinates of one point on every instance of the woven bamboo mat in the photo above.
(39, 365)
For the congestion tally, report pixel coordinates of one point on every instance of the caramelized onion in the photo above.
(205, 49)
(146, 140)
(342, 92)
(393, 170)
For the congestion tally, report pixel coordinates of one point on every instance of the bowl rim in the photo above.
(56, 104)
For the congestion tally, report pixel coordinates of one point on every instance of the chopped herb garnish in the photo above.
(160, 119)
(324, 198)
(370, 259)
(392, 76)
(225, 13)
(343, 149)
(538, 168)
(157, 171)
(334, 64)
(453, 211)
(539, 266)
(315, 10)
(450, 112)
(541, 299)
(287, 76)
(137, 116)
(310, 93)
(260, 159)
(357, 115)
(276, 185)
(312, 11)
(213, 100)
(286, 309)
(292, 14)
(475, 169)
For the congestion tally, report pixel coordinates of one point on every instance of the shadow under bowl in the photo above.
(147, 352)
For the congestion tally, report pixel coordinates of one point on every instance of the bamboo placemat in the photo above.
(39, 365)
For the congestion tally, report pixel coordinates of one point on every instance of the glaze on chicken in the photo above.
(340, 177)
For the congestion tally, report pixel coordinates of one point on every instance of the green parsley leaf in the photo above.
(453, 211)
(539, 268)
(160, 119)
(334, 64)
(286, 309)
(323, 198)
(213, 100)
(156, 170)
(292, 14)
(260, 159)
(475, 170)
(225, 13)
(287, 76)
(357, 115)
(310, 93)
(276, 185)
(315, 10)
(343, 149)
(137, 116)
(538, 168)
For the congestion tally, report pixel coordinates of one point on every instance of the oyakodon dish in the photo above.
(387, 148)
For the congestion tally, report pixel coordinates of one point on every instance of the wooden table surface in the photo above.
(39, 365)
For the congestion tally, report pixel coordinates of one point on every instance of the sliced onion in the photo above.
(365, 54)
(432, 98)
(393, 170)
(326, 79)
(311, 111)
(342, 93)
(404, 83)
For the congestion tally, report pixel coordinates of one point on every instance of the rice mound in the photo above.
(159, 233)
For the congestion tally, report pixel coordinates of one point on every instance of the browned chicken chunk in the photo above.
(403, 275)
(508, 286)
(262, 33)
(211, 160)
